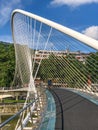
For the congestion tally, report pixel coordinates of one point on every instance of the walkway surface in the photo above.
(73, 112)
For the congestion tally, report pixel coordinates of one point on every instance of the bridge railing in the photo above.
(35, 117)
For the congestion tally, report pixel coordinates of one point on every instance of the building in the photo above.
(44, 54)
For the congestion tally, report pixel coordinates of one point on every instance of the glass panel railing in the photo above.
(48, 122)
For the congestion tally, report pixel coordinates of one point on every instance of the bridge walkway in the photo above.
(74, 112)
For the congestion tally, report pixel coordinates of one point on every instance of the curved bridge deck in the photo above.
(73, 112)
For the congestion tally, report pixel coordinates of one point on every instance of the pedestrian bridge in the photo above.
(59, 66)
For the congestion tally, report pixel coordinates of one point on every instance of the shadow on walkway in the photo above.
(74, 112)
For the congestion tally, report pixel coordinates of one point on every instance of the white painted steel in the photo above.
(79, 36)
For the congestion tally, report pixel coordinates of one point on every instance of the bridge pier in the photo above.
(0, 119)
(16, 97)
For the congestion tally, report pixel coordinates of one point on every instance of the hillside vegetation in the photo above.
(7, 64)
(65, 70)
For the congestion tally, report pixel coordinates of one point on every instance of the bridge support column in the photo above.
(16, 97)
(0, 119)
(1, 100)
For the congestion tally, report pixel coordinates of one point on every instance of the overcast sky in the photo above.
(80, 15)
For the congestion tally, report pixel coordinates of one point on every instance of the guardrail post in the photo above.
(0, 119)
(31, 117)
(21, 122)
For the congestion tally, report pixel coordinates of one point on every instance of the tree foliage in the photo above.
(7, 64)
(92, 67)
(69, 70)
(63, 69)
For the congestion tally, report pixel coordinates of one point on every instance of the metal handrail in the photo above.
(18, 113)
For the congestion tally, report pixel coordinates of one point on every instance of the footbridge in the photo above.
(59, 68)
(13, 93)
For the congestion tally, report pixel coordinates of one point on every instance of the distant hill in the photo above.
(7, 63)
(2, 42)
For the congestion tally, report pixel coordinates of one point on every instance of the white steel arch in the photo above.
(79, 36)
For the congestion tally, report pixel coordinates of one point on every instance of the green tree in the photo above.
(64, 69)
(92, 67)
(7, 64)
